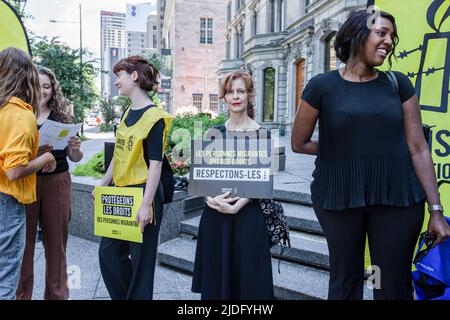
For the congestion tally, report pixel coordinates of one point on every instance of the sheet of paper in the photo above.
(57, 134)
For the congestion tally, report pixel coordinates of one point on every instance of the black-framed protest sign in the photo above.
(236, 161)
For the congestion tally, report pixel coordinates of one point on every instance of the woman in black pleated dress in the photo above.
(233, 259)
(373, 167)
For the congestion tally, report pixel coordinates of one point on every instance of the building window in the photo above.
(307, 3)
(255, 22)
(213, 102)
(272, 15)
(281, 15)
(269, 95)
(197, 101)
(241, 42)
(155, 42)
(330, 53)
(206, 30)
(237, 44)
(154, 27)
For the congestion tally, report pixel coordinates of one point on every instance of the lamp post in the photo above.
(81, 53)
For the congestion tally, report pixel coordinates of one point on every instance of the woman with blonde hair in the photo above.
(19, 98)
(53, 207)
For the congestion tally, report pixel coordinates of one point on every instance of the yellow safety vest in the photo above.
(130, 167)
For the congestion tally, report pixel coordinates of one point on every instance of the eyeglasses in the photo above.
(428, 240)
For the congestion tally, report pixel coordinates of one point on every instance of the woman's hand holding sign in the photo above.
(144, 216)
(223, 203)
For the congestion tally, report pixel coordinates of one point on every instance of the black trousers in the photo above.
(392, 234)
(128, 268)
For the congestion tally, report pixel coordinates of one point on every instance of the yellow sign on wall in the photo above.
(423, 54)
(115, 213)
(12, 32)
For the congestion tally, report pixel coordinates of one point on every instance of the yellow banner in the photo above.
(12, 32)
(423, 54)
(115, 213)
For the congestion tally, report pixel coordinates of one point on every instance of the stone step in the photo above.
(286, 194)
(190, 226)
(308, 249)
(193, 204)
(301, 218)
(295, 282)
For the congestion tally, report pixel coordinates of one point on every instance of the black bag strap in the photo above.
(393, 80)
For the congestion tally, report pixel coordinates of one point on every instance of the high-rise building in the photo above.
(161, 8)
(140, 20)
(113, 35)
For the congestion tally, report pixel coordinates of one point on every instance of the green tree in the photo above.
(123, 102)
(77, 81)
(18, 9)
(155, 60)
(107, 108)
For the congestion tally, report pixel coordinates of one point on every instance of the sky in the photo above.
(68, 10)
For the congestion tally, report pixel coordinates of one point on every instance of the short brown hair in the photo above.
(148, 75)
(249, 86)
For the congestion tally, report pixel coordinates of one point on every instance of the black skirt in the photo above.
(233, 259)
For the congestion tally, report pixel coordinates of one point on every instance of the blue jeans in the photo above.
(12, 244)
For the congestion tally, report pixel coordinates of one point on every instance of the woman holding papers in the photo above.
(127, 267)
(233, 259)
(53, 207)
(19, 98)
(373, 168)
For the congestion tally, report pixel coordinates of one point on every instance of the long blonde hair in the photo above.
(19, 78)
(61, 107)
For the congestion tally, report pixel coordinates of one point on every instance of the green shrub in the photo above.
(106, 127)
(93, 168)
(187, 120)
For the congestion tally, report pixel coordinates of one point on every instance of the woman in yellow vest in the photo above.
(128, 268)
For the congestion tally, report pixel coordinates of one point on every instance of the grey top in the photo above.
(362, 158)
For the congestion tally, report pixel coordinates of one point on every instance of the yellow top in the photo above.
(130, 167)
(19, 140)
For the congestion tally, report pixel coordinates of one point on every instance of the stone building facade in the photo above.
(194, 32)
(283, 44)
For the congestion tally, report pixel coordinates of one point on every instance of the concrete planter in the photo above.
(82, 220)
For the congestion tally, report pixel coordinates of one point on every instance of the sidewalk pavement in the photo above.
(85, 281)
